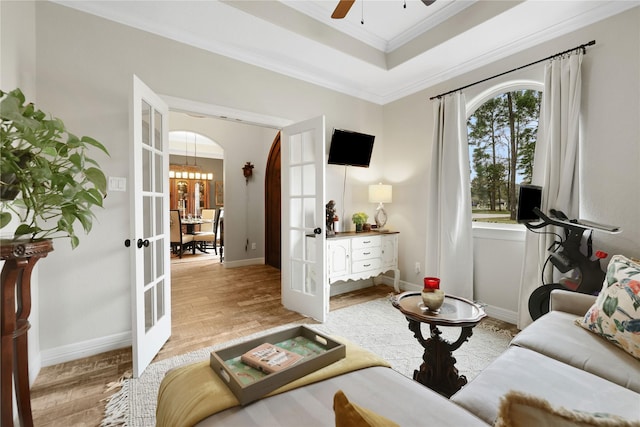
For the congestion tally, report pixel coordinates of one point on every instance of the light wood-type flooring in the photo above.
(210, 305)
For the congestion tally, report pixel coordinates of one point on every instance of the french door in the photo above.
(150, 258)
(304, 279)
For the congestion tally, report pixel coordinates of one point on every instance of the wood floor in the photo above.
(210, 305)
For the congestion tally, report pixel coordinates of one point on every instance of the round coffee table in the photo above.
(438, 371)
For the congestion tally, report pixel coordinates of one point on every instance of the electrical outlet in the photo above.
(253, 246)
(417, 268)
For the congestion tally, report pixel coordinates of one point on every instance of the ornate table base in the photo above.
(438, 371)
(20, 258)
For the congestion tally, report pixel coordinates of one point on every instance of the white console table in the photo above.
(357, 256)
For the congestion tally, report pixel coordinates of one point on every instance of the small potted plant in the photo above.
(359, 219)
(47, 179)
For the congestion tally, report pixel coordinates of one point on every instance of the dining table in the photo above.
(190, 225)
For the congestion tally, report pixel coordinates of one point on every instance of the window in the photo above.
(502, 134)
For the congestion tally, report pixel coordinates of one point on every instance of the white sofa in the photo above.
(553, 359)
(577, 365)
(558, 361)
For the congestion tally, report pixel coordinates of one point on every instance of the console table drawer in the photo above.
(364, 265)
(365, 242)
(359, 256)
(366, 253)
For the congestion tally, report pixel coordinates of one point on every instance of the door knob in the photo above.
(127, 243)
(317, 230)
(142, 243)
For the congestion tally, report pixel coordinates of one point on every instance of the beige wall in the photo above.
(18, 69)
(86, 80)
(609, 154)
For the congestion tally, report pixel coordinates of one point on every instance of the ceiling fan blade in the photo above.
(342, 9)
(428, 2)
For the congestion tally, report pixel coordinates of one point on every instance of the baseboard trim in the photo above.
(243, 262)
(341, 287)
(87, 348)
(508, 316)
(410, 287)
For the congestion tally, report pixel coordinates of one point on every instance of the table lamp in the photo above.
(379, 193)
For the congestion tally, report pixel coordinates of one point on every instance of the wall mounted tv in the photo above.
(350, 148)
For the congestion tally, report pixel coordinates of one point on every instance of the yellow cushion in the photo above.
(518, 409)
(349, 414)
(191, 393)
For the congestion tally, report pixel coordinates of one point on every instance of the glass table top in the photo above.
(455, 311)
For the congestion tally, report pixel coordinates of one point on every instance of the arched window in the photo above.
(502, 128)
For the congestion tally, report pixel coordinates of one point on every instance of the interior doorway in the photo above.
(273, 202)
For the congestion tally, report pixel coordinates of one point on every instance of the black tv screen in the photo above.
(529, 197)
(350, 148)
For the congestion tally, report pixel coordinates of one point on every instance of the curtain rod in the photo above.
(582, 46)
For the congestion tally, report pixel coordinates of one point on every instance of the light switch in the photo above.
(117, 183)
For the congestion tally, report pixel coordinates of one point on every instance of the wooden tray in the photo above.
(249, 384)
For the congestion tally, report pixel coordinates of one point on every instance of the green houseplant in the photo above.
(359, 219)
(46, 178)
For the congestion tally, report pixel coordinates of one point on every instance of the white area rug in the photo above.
(374, 325)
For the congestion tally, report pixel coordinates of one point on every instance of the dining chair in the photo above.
(206, 236)
(179, 240)
(219, 230)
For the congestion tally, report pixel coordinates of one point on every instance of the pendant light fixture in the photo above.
(186, 171)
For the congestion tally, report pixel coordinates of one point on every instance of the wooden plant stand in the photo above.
(20, 256)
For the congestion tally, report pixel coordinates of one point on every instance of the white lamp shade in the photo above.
(380, 193)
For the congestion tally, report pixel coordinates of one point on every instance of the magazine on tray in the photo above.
(270, 358)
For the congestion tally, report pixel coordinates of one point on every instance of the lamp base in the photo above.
(380, 217)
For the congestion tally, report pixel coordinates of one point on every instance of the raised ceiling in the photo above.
(396, 52)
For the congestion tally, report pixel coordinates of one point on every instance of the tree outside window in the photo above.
(502, 138)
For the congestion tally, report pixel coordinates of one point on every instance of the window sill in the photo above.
(488, 230)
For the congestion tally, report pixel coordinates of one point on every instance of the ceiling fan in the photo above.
(344, 6)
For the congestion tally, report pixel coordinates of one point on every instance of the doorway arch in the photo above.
(225, 113)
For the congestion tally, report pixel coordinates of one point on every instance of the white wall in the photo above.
(610, 152)
(17, 69)
(86, 81)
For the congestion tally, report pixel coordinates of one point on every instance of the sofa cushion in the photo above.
(615, 315)
(348, 414)
(530, 372)
(523, 410)
(556, 335)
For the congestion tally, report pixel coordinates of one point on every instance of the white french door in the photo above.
(150, 268)
(304, 275)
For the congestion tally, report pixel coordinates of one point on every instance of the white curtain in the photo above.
(555, 167)
(449, 251)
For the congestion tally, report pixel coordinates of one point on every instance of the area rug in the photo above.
(374, 325)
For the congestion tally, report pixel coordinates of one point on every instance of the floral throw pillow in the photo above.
(615, 315)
